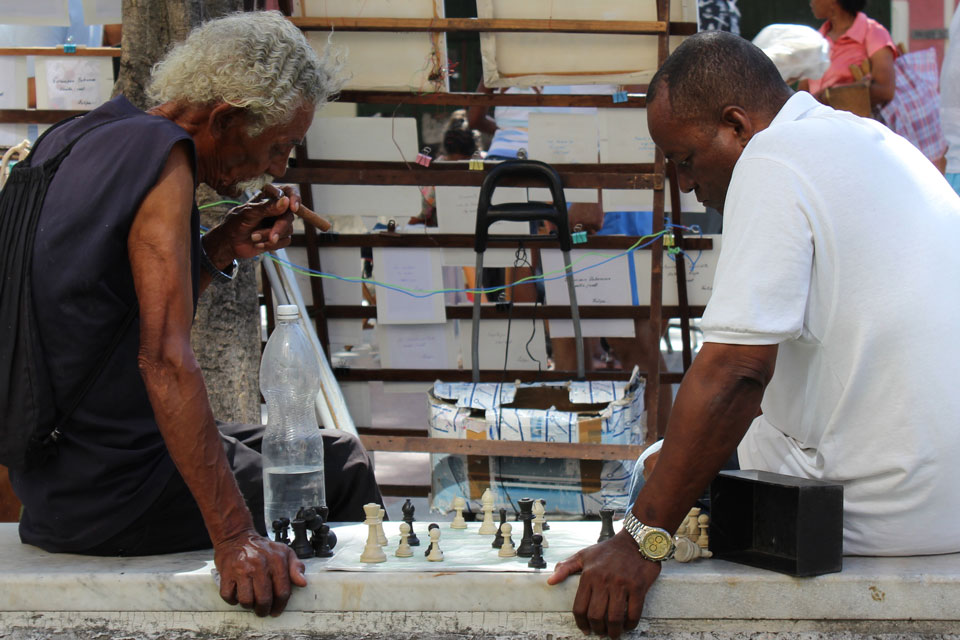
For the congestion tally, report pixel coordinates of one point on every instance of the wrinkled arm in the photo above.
(251, 571)
(718, 399)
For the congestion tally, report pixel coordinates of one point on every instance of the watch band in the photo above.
(653, 543)
(217, 275)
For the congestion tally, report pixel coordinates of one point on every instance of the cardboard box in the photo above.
(600, 412)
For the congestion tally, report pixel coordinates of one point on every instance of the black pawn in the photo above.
(546, 525)
(280, 527)
(301, 546)
(321, 542)
(408, 510)
(606, 526)
(433, 525)
(525, 550)
(536, 560)
(317, 516)
(498, 539)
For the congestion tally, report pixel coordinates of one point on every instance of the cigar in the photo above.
(303, 212)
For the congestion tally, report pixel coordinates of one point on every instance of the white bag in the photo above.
(797, 50)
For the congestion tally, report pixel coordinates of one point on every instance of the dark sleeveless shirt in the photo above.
(112, 462)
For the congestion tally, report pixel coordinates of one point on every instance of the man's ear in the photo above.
(225, 118)
(740, 121)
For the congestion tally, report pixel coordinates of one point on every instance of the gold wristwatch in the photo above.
(655, 544)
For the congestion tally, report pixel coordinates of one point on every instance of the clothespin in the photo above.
(423, 158)
(503, 305)
(476, 162)
(521, 154)
(620, 95)
(668, 240)
(579, 236)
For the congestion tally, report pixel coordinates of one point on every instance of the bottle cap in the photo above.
(288, 312)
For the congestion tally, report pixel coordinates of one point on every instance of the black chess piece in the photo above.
(321, 541)
(498, 539)
(408, 510)
(301, 546)
(280, 528)
(546, 525)
(323, 512)
(606, 526)
(536, 560)
(525, 550)
(433, 525)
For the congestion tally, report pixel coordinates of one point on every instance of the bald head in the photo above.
(712, 70)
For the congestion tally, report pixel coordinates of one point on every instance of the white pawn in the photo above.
(372, 552)
(435, 554)
(458, 522)
(487, 527)
(507, 550)
(381, 536)
(703, 521)
(404, 550)
(538, 520)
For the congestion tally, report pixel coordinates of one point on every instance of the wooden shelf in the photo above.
(111, 52)
(622, 27)
(526, 311)
(463, 99)
(354, 374)
(466, 241)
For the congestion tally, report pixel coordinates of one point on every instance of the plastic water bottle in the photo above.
(292, 443)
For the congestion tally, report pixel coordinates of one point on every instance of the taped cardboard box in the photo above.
(599, 412)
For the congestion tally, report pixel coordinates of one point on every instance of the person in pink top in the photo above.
(854, 38)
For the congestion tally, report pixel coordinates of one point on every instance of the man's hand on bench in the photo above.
(256, 573)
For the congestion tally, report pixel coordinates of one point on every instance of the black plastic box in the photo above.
(776, 522)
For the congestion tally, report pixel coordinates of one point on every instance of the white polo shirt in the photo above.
(840, 245)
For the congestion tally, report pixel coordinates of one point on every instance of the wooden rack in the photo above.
(610, 176)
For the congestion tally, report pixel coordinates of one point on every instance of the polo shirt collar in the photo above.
(795, 107)
(857, 31)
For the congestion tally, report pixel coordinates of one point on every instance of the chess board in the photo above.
(463, 549)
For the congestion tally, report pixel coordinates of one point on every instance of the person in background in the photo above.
(854, 37)
(950, 102)
(459, 143)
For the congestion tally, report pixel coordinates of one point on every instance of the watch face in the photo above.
(657, 545)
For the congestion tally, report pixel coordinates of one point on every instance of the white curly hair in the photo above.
(258, 61)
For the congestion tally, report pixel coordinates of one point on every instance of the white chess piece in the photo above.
(703, 521)
(404, 550)
(507, 550)
(487, 527)
(458, 505)
(372, 552)
(538, 520)
(381, 536)
(435, 555)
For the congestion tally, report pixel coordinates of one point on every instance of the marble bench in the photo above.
(65, 596)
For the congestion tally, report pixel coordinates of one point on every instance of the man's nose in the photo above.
(685, 181)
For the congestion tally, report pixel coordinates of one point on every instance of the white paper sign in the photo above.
(493, 343)
(50, 13)
(624, 137)
(102, 11)
(457, 210)
(492, 258)
(73, 83)
(414, 270)
(606, 284)
(12, 134)
(642, 200)
(341, 332)
(561, 138)
(372, 139)
(13, 82)
(397, 202)
(423, 346)
(344, 262)
(699, 281)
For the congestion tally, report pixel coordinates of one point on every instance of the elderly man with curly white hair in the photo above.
(141, 466)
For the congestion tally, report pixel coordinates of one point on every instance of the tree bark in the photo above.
(226, 333)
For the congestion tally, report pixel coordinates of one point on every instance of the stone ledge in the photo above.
(60, 594)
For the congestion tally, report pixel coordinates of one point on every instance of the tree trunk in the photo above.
(226, 333)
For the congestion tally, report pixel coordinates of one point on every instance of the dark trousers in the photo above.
(174, 523)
